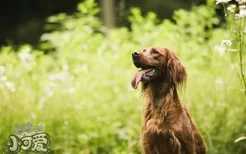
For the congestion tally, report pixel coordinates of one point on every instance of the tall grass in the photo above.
(81, 90)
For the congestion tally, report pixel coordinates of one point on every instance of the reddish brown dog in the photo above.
(168, 128)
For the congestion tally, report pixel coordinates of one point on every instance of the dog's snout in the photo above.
(135, 54)
(136, 58)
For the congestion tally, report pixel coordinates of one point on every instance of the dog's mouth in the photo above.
(144, 75)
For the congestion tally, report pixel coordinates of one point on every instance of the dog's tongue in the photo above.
(137, 78)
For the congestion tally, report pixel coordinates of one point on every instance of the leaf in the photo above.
(240, 139)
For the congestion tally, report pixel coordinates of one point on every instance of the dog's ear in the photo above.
(175, 69)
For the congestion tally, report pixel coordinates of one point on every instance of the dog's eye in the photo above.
(155, 52)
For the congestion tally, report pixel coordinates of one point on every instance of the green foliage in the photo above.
(235, 15)
(235, 19)
(81, 92)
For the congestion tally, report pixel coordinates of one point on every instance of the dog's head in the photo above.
(158, 64)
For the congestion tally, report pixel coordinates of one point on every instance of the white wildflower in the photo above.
(241, 1)
(226, 42)
(231, 8)
(241, 7)
(222, 1)
(241, 14)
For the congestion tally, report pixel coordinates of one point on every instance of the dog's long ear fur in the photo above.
(175, 69)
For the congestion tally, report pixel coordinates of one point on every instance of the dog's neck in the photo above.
(157, 92)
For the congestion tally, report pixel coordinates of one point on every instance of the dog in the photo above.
(167, 128)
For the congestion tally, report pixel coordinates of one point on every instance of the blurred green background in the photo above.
(75, 80)
(22, 21)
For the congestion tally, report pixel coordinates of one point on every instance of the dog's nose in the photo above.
(135, 54)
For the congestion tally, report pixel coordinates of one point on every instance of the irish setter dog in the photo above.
(168, 128)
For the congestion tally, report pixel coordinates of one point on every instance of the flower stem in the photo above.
(241, 36)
